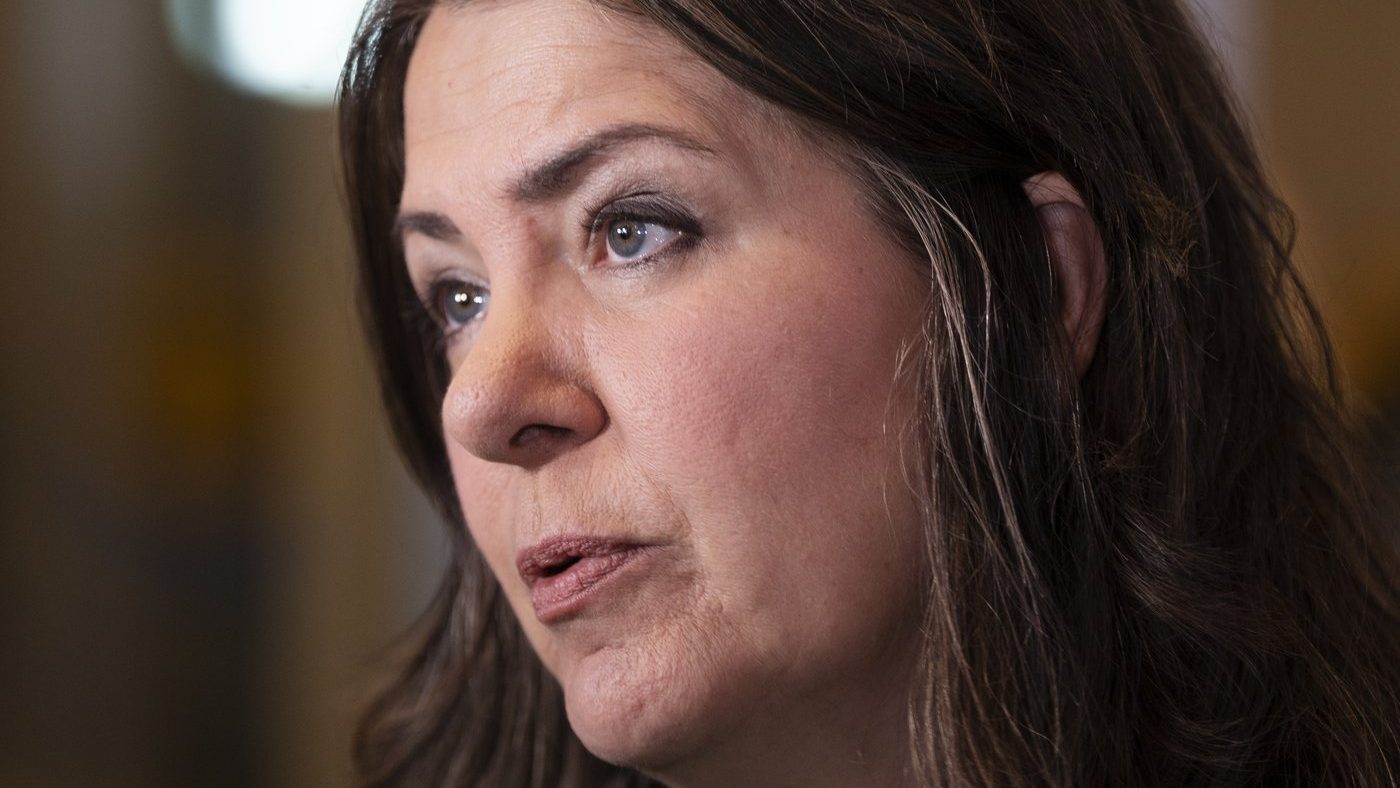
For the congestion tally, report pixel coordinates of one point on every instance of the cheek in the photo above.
(766, 407)
(491, 508)
(482, 490)
(495, 511)
(746, 373)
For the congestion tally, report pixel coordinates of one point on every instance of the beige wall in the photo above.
(1331, 131)
(206, 537)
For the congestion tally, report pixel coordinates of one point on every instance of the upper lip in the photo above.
(553, 555)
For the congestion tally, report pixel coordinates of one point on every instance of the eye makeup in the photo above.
(641, 208)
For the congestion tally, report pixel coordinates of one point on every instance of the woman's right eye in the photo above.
(455, 304)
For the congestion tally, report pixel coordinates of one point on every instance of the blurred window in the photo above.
(288, 50)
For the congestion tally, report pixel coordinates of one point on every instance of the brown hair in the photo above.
(1174, 571)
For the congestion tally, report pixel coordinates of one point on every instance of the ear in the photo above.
(1076, 259)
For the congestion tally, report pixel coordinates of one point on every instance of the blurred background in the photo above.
(206, 539)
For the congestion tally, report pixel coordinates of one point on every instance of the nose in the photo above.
(519, 396)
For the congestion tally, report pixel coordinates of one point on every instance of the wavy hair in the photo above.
(1175, 570)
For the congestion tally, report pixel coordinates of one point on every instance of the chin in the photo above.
(638, 715)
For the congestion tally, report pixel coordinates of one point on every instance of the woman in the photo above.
(859, 393)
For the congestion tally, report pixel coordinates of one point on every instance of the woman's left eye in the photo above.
(631, 240)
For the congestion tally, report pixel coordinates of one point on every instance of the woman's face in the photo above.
(673, 419)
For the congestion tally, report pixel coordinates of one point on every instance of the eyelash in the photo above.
(432, 300)
(644, 208)
(640, 207)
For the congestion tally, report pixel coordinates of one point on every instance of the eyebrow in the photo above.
(560, 172)
(557, 174)
(427, 223)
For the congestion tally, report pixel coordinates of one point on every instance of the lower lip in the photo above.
(564, 595)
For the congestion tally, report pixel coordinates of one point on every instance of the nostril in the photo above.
(534, 433)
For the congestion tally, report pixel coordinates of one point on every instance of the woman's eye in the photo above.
(456, 303)
(630, 240)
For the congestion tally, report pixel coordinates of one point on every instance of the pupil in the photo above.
(627, 238)
(464, 305)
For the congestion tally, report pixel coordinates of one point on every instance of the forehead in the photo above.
(501, 82)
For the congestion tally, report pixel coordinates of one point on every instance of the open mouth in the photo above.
(564, 573)
(561, 567)
(557, 555)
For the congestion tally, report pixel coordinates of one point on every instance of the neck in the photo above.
(836, 738)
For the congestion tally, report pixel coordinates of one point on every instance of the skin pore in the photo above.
(723, 391)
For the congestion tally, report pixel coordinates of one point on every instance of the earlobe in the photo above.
(1076, 254)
